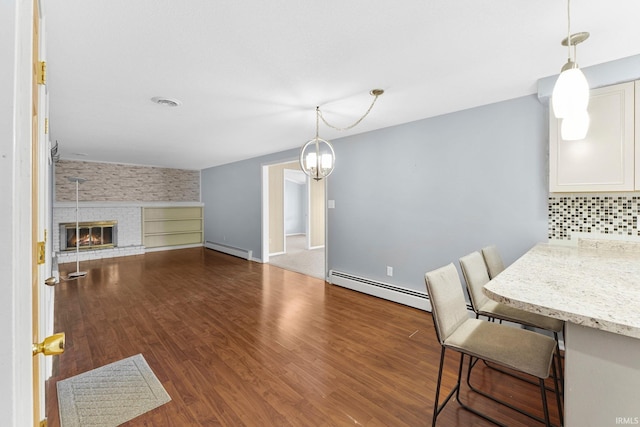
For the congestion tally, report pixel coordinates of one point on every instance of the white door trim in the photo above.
(265, 213)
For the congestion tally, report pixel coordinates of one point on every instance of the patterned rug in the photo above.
(110, 395)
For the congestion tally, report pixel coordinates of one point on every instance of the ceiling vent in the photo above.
(168, 102)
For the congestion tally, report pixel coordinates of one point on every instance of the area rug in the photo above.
(110, 395)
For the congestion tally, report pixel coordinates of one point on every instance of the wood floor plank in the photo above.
(238, 343)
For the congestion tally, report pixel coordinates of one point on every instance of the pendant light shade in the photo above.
(570, 94)
(575, 127)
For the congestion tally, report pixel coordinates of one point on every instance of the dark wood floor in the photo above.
(241, 343)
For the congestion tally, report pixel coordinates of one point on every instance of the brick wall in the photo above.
(125, 183)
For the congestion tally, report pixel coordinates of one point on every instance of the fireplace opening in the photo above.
(92, 235)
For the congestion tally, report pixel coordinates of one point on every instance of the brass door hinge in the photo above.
(41, 252)
(43, 423)
(46, 125)
(42, 73)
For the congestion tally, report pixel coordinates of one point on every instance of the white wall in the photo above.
(294, 202)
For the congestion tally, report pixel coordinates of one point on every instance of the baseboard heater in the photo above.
(410, 297)
(382, 290)
(230, 250)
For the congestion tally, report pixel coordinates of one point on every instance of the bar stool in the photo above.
(476, 276)
(513, 348)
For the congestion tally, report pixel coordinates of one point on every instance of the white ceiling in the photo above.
(250, 72)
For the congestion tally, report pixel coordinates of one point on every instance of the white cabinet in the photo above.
(637, 129)
(604, 160)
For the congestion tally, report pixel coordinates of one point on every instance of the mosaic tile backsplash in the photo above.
(599, 214)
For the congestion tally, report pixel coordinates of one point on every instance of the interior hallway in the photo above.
(299, 259)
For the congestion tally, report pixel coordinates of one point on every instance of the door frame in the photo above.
(289, 176)
(42, 194)
(265, 206)
(265, 214)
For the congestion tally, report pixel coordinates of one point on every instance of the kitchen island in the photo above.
(595, 288)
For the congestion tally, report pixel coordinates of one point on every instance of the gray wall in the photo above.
(421, 195)
(448, 185)
(232, 196)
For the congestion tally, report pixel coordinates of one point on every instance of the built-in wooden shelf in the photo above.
(172, 226)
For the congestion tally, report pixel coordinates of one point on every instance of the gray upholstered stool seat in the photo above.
(518, 349)
(497, 310)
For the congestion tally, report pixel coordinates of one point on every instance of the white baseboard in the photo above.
(410, 297)
(230, 250)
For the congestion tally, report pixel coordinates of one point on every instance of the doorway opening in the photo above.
(294, 226)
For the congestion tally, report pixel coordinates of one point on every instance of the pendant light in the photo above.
(317, 157)
(571, 91)
(575, 127)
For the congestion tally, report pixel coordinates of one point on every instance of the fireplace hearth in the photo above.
(92, 235)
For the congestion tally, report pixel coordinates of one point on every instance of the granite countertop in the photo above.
(595, 285)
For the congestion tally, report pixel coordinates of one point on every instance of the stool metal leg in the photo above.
(545, 407)
(515, 408)
(464, 405)
(438, 408)
(559, 397)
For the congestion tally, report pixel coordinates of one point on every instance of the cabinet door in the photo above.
(604, 160)
(637, 131)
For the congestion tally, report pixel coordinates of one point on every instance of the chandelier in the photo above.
(317, 157)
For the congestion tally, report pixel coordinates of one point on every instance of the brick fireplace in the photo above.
(92, 235)
(126, 237)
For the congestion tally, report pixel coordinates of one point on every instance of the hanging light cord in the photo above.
(319, 114)
(569, 34)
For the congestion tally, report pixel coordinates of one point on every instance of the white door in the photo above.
(42, 295)
(24, 180)
(16, 252)
(40, 259)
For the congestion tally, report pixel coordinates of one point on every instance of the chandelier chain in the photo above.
(319, 114)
